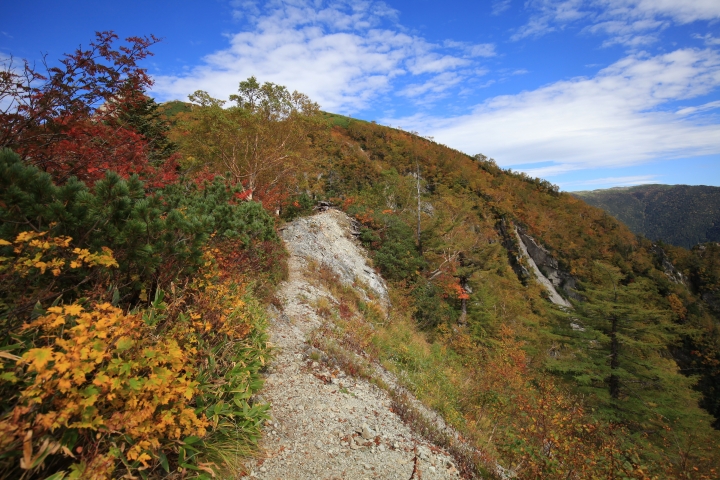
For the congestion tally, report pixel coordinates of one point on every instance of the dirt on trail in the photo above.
(326, 424)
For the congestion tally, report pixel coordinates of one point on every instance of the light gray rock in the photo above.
(324, 239)
(366, 433)
(554, 296)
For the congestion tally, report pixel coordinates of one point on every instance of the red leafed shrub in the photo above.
(84, 116)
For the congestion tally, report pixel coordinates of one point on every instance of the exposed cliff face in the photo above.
(511, 242)
(548, 266)
(553, 295)
(524, 252)
(325, 240)
(672, 273)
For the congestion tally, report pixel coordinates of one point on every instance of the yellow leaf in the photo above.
(4, 242)
(60, 320)
(143, 458)
(25, 236)
(62, 365)
(38, 357)
(64, 384)
(73, 309)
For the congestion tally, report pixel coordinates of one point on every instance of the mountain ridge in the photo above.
(682, 215)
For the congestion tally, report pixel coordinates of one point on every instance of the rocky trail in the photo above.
(326, 424)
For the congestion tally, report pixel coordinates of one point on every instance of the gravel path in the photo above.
(326, 424)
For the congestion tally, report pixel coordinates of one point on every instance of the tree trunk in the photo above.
(463, 302)
(614, 359)
(419, 244)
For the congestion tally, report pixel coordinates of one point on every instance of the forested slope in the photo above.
(138, 244)
(632, 333)
(682, 215)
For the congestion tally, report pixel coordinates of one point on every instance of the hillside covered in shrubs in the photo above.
(138, 249)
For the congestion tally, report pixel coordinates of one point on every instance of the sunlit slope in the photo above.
(465, 265)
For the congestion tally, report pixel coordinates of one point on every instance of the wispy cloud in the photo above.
(482, 50)
(437, 84)
(549, 15)
(700, 108)
(633, 23)
(471, 49)
(625, 181)
(615, 119)
(500, 6)
(343, 54)
(709, 39)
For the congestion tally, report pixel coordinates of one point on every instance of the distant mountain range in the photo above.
(682, 215)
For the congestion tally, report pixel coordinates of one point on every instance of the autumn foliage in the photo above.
(131, 337)
(94, 387)
(73, 118)
(131, 340)
(262, 142)
(602, 391)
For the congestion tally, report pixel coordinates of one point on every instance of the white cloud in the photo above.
(472, 50)
(434, 63)
(613, 119)
(681, 11)
(482, 50)
(342, 54)
(618, 181)
(499, 6)
(708, 39)
(629, 22)
(438, 84)
(700, 108)
(549, 12)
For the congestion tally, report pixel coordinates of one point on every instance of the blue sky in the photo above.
(585, 93)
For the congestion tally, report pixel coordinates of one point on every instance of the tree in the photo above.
(618, 350)
(75, 119)
(262, 141)
(454, 245)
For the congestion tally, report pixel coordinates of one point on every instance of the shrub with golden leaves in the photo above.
(102, 371)
(94, 388)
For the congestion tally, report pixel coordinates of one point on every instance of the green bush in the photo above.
(431, 308)
(107, 381)
(155, 237)
(298, 206)
(397, 255)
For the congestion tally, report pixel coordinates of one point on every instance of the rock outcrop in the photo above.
(545, 259)
(549, 266)
(324, 238)
(673, 274)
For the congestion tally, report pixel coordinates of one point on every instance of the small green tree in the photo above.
(142, 114)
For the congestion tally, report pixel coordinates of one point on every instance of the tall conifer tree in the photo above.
(618, 339)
